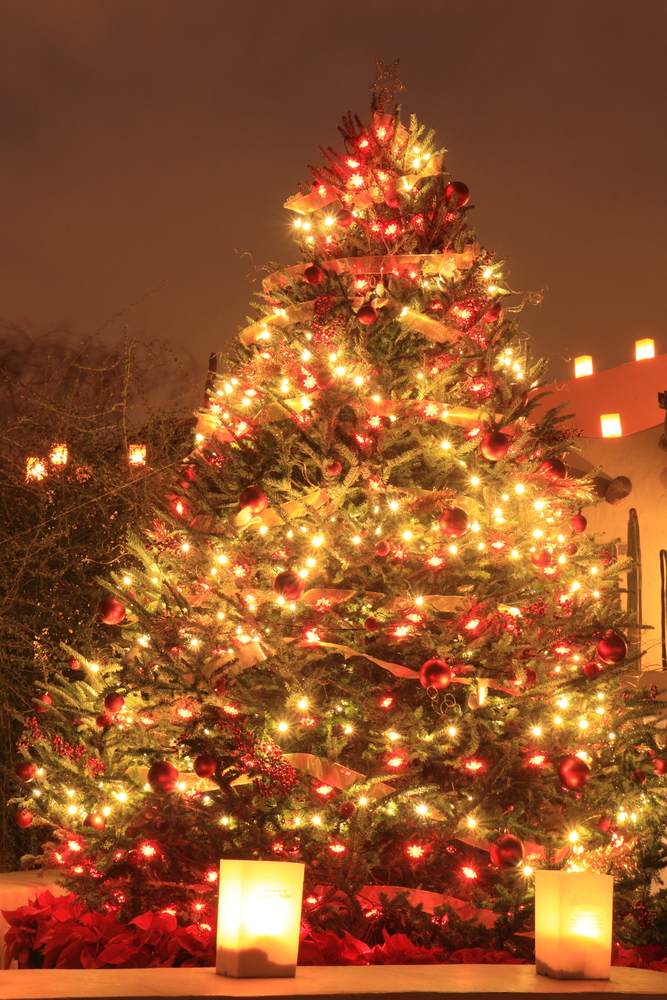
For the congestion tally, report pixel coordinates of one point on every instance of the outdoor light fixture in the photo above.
(573, 914)
(644, 349)
(583, 366)
(35, 468)
(611, 425)
(59, 454)
(259, 915)
(136, 454)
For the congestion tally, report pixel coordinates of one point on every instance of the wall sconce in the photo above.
(136, 454)
(573, 919)
(611, 425)
(644, 349)
(59, 455)
(583, 366)
(35, 469)
(259, 915)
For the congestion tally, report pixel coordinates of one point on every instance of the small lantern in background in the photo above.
(573, 921)
(644, 349)
(136, 455)
(59, 454)
(35, 469)
(583, 365)
(610, 424)
(259, 915)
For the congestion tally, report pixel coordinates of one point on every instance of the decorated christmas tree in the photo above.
(367, 629)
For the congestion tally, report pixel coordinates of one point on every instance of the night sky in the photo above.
(148, 143)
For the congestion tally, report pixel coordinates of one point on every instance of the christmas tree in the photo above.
(367, 630)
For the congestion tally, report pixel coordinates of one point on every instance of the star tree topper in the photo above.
(386, 83)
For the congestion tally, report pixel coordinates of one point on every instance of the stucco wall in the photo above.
(638, 457)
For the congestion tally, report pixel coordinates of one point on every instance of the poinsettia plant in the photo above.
(60, 932)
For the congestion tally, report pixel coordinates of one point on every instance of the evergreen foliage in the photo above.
(368, 492)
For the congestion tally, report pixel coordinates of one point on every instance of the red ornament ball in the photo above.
(73, 663)
(571, 548)
(253, 498)
(325, 379)
(42, 701)
(494, 445)
(367, 315)
(541, 558)
(612, 648)
(554, 467)
(492, 314)
(507, 852)
(659, 765)
(23, 818)
(110, 611)
(344, 218)
(220, 686)
(578, 523)
(102, 721)
(435, 673)
(606, 558)
(313, 274)
(454, 522)
(205, 765)
(114, 702)
(346, 810)
(574, 772)
(382, 549)
(134, 858)
(592, 669)
(334, 469)
(289, 585)
(162, 776)
(457, 194)
(95, 821)
(372, 624)
(25, 770)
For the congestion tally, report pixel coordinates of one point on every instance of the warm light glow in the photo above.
(610, 424)
(136, 454)
(35, 469)
(259, 916)
(573, 914)
(59, 454)
(644, 349)
(583, 365)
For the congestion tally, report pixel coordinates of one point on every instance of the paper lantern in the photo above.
(644, 349)
(610, 425)
(259, 915)
(573, 913)
(583, 365)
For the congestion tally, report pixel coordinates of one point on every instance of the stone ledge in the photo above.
(405, 982)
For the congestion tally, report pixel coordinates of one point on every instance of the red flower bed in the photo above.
(58, 932)
(325, 948)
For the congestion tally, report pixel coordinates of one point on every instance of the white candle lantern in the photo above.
(573, 920)
(259, 915)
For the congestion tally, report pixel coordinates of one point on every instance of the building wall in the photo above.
(638, 457)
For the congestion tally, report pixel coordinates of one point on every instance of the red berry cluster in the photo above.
(65, 749)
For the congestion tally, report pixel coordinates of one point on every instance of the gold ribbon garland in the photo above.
(443, 265)
(324, 194)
